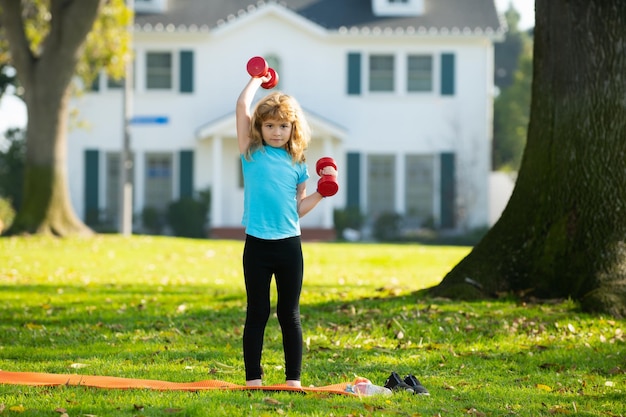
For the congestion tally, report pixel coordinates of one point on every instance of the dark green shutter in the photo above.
(354, 73)
(92, 170)
(186, 174)
(354, 180)
(448, 190)
(186, 71)
(447, 74)
(95, 84)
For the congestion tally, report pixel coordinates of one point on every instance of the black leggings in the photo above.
(283, 259)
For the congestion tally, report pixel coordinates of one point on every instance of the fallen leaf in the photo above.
(557, 409)
(544, 387)
(138, 407)
(17, 408)
(271, 401)
(60, 410)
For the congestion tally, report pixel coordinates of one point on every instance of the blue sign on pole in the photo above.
(149, 120)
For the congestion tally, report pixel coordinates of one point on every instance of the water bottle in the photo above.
(367, 389)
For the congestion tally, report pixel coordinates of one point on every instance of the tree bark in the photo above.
(563, 231)
(46, 78)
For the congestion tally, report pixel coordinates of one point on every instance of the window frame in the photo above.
(148, 71)
(420, 74)
(378, 75)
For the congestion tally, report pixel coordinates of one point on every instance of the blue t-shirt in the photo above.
(270, 178)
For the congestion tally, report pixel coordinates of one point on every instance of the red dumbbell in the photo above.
(257, 67)
(327, 185)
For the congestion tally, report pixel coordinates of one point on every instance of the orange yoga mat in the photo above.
(44, 379)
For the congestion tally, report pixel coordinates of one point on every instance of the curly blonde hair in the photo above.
(284, 108)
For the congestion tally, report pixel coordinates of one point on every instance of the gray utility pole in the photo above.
(126, 159)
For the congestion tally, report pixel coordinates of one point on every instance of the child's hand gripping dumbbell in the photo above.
(327, 185)
(257, 67)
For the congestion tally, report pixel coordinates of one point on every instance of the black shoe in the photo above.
(395, 383)
(416, 385)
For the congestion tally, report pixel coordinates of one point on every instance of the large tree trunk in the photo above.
(46, 208)
(563, 231)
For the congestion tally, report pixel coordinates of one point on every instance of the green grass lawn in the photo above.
(173, 309)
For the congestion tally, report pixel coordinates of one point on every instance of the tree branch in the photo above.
(21, 55)
(71, 21)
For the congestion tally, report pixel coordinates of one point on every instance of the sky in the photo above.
(526, 9)
(13, 111)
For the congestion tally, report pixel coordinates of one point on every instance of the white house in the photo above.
(399, 92)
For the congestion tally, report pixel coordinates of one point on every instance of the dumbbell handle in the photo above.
(257, 67)
(327, 185)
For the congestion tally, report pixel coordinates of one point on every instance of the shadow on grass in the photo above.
(122, 334)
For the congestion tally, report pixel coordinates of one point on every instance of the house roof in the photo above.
(343, 16)
(225, 126)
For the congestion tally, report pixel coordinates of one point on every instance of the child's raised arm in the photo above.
(242, 111)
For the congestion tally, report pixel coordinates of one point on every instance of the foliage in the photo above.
(512, 106)
(7, 213)
(7, 75)
(107, 47)
(151, 220)
(387, 227)
(507, 52)
(12, 166)
(188, 216)
(511, 117)
(173, 309)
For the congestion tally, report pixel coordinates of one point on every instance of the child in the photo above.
(272, 141)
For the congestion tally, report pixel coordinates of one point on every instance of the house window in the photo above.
(381, 76)
(114, 83)
(274, 62)
(419, 190)
(158, 181)
(419, 73)
(158, 71)
(381, 180)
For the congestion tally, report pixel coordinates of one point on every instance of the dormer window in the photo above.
(150, 6)
(398, 7)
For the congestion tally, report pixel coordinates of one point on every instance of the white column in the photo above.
(400, 204)
(216, 183)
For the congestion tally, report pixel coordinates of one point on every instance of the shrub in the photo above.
(188, 216)
(7, 214)
(348, 218)
(152, 220)
(387, 227)
(12, 161)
